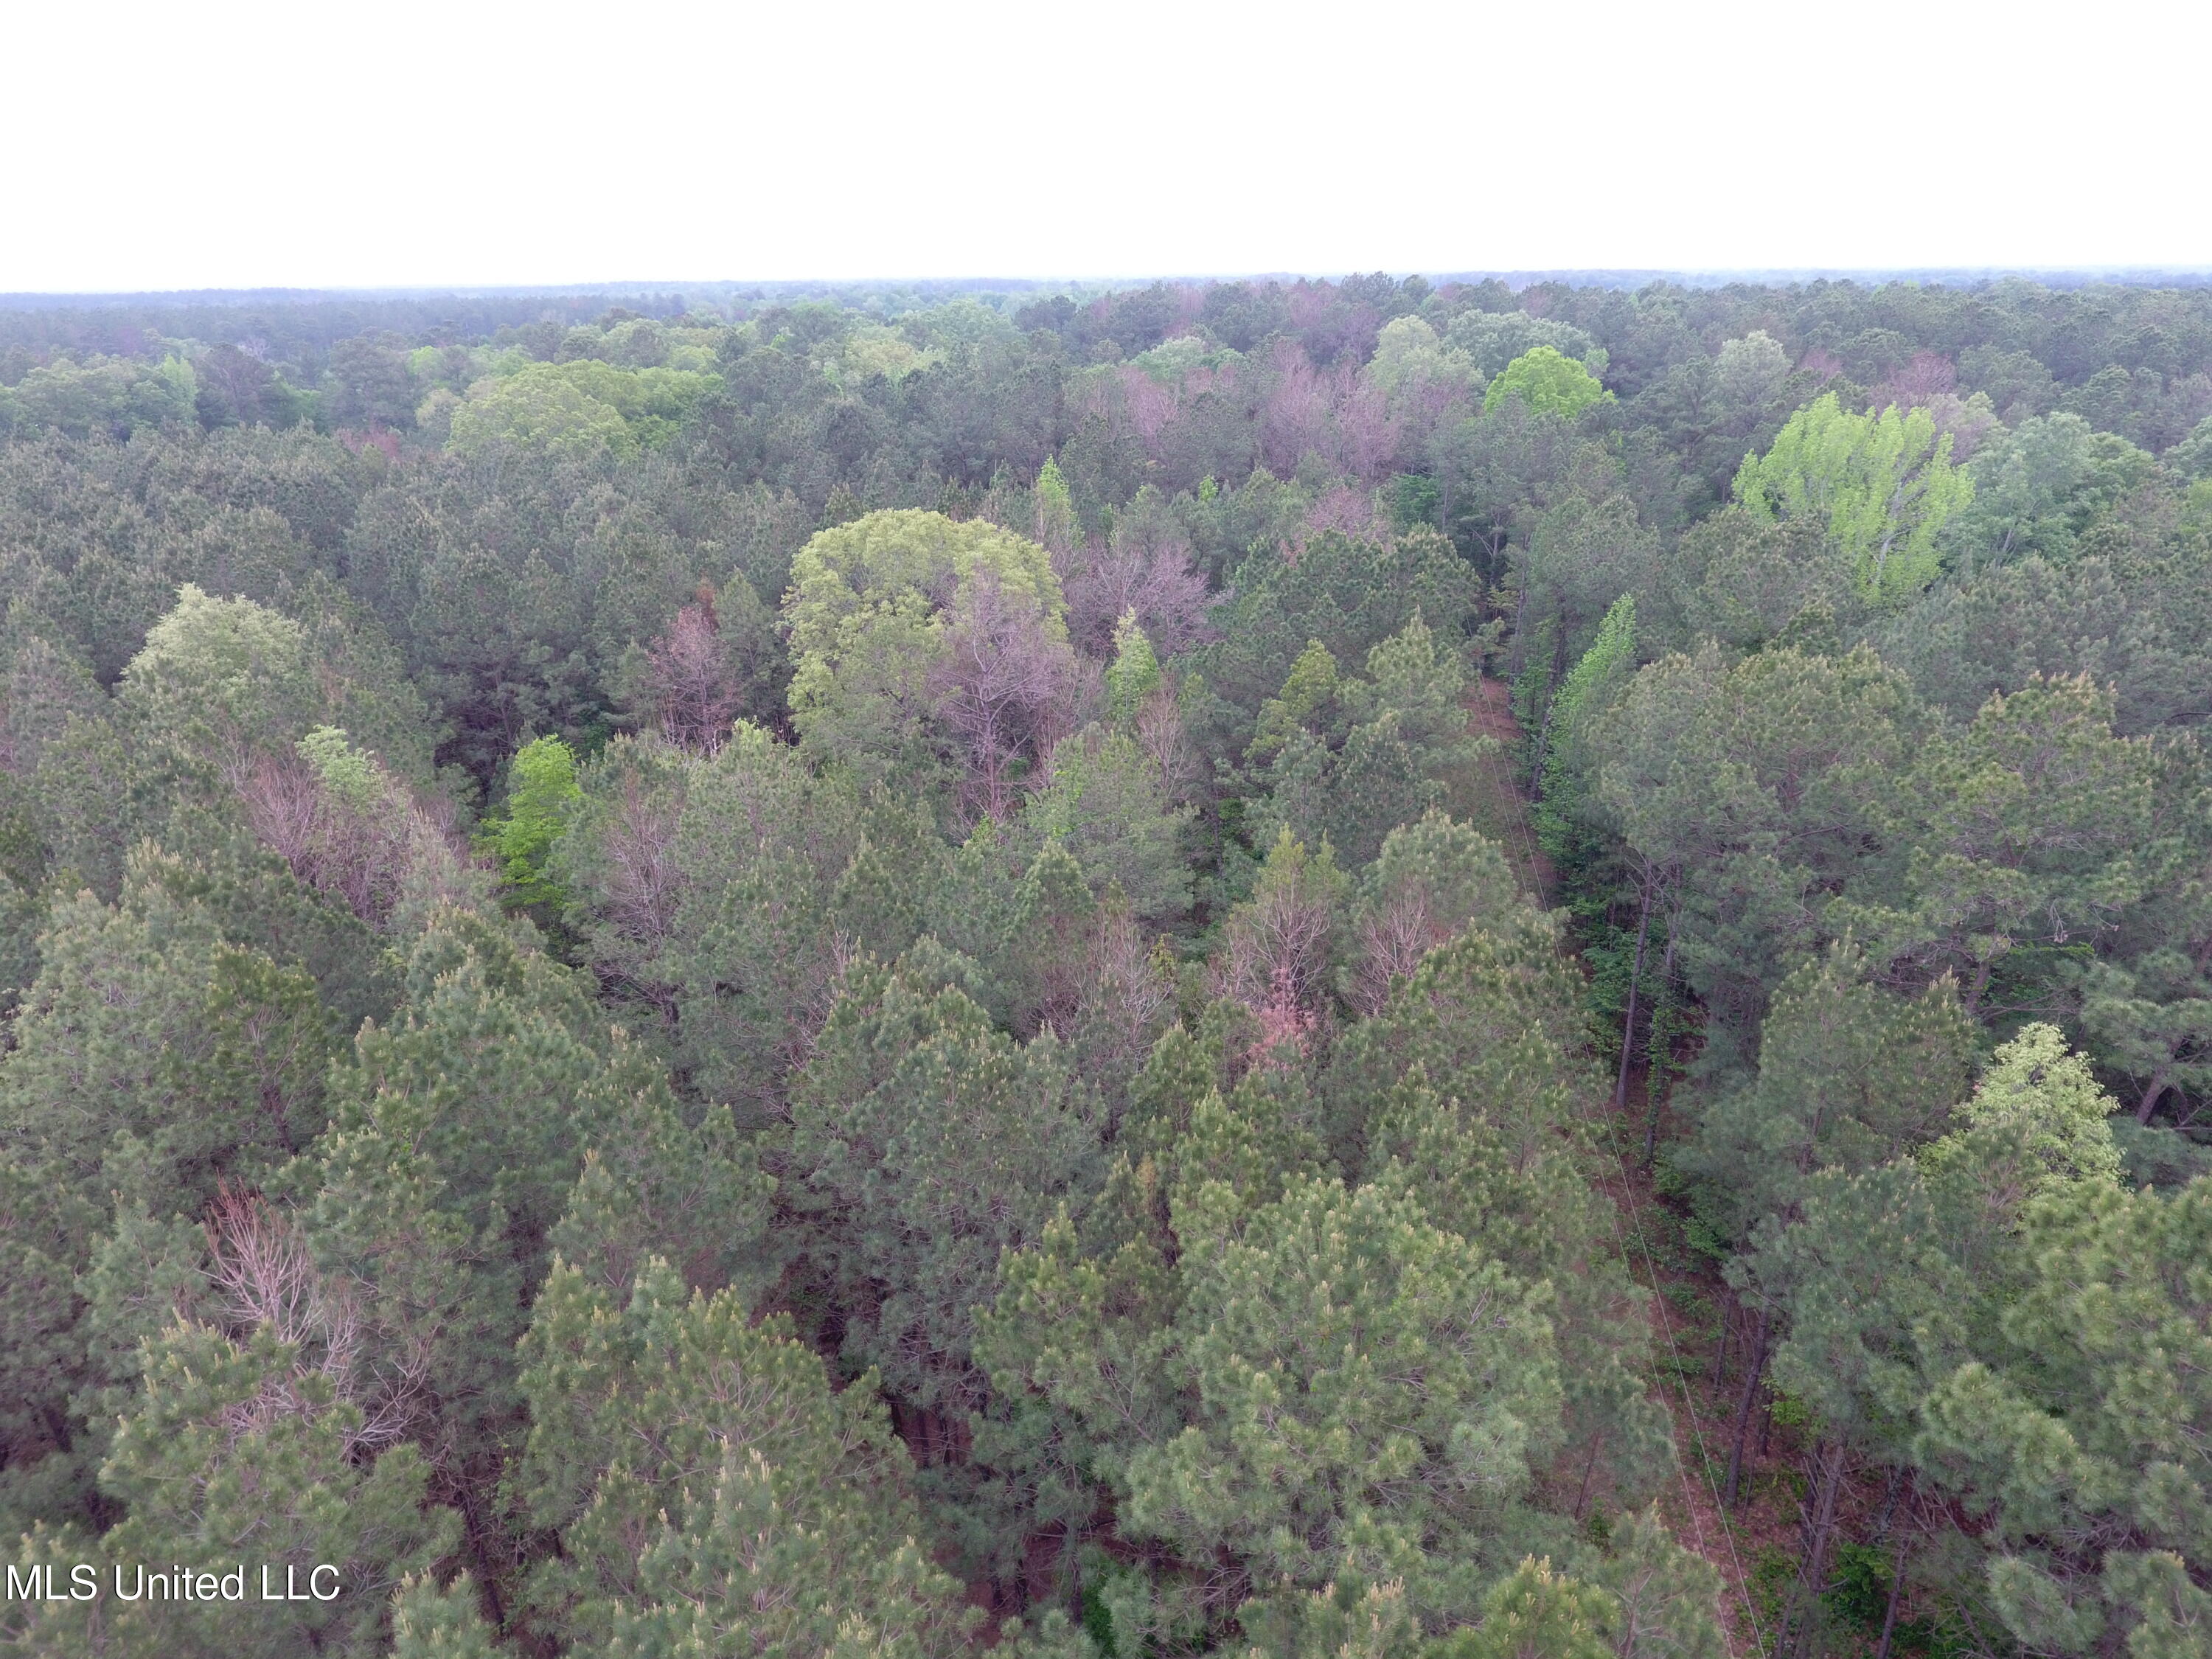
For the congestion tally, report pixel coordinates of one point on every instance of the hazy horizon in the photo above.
(2083, 275)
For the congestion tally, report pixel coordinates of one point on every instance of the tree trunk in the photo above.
(1972, 1001)
(1820, 1526)
(1650, 1094)
(2148, 1103)
(1520, 639)
(1752, 1374)
(1635, 979)
(1896, 1592)
(1544, 726)
(1720, 1348)
(1588, 1469)
(1890, 1488)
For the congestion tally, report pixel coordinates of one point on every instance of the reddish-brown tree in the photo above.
(1000, 689)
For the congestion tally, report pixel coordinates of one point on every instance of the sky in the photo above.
(232, 144)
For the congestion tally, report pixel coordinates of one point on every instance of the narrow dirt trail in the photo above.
(1486, 793)
(1685, 1288)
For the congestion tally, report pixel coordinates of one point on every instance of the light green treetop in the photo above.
(542, 792)
(1884, 485)
(1549, 382)
(1055, 508)
(887, 561)
(537, 410)
(2037, 1119)
(581, 407)
(1134, 673)
(869, 615)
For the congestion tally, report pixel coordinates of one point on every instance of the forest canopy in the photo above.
(1417, 970)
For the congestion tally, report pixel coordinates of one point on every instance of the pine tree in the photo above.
(923, 1144)
(1851, 1075)
(713, 1495)
(1303, 1327)
(236, 1456)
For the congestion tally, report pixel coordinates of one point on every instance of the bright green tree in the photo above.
(1134, 675)
(541, 793)
(1883, 485)
(1600, 676)
(1548, 382)
(539, 407)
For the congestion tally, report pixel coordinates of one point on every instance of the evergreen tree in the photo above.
(924, 1144)
(1303, 1326)
(712, 1493)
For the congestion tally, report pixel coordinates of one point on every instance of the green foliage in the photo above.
(1883, 485)
(1080, 1129)
(98, 395)
(735, 889)
(2087, 1425)
(923, 1145)
(2022, 830)
(2036, 1118)
(1349, 760)
(223, 672)
(695, 1519)
(575, 410)
(1134, 674)
(1548, 382)
(1669, 1596)
(1532, 1612)
(541, 794)
(1348, 594)
(1494, 339)
(1596, 681)
(864, 616)
(1851, 1075)
(1753, 788)
(1055, 508)
(1102, 798)
(1306, 1323)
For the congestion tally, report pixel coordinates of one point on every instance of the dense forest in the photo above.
(1324, 971)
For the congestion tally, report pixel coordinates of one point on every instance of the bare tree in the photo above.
(1145, 569)
(1294, 413)
(1000, 687)
(1392, 941)
(265, 1278)
(1276, 963)
(1160, 734)
(1926, 377)
(642, 882)
(1368, 432)
(368, 843)
(694, 696)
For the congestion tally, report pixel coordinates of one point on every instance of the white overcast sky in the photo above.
(239, 142)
